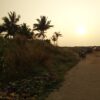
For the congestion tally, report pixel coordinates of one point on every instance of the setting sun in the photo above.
(81, 30)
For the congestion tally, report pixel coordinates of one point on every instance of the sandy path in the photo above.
(82, 82)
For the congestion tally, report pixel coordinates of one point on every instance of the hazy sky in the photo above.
(70, 17)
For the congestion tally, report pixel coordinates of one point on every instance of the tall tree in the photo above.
(25, 31)
(10, 24)
(42, 26)
(55, 37)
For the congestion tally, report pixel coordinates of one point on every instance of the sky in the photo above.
(77, 20)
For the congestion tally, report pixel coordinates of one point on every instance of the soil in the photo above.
(82, 82)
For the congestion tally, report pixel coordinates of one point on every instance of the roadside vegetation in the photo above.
(30, 65)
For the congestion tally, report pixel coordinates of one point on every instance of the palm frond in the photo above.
(6, 20)
(38, 20)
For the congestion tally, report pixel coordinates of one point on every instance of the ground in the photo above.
(82, 82)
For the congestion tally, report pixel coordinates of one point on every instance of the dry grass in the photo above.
(33, 67)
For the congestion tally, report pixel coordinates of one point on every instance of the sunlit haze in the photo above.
(77, 20)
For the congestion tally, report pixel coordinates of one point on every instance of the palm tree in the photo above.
(10, 24)
(42, 26)
(25, 31)
(55, 37)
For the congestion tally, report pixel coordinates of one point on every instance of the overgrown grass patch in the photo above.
(32, 68)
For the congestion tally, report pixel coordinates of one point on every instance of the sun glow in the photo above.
(81, 31)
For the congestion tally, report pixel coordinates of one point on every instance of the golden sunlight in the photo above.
(81, 30)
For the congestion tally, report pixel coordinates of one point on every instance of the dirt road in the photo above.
(82, 82)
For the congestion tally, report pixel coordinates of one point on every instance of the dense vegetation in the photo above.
(30, 66)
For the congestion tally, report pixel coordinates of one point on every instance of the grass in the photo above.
(32, 68)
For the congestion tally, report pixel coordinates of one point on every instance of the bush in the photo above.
(32, 67)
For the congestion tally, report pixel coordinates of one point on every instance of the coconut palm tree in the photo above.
(10, 24)
(42, 26)
(55, 37)
(25, 31)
